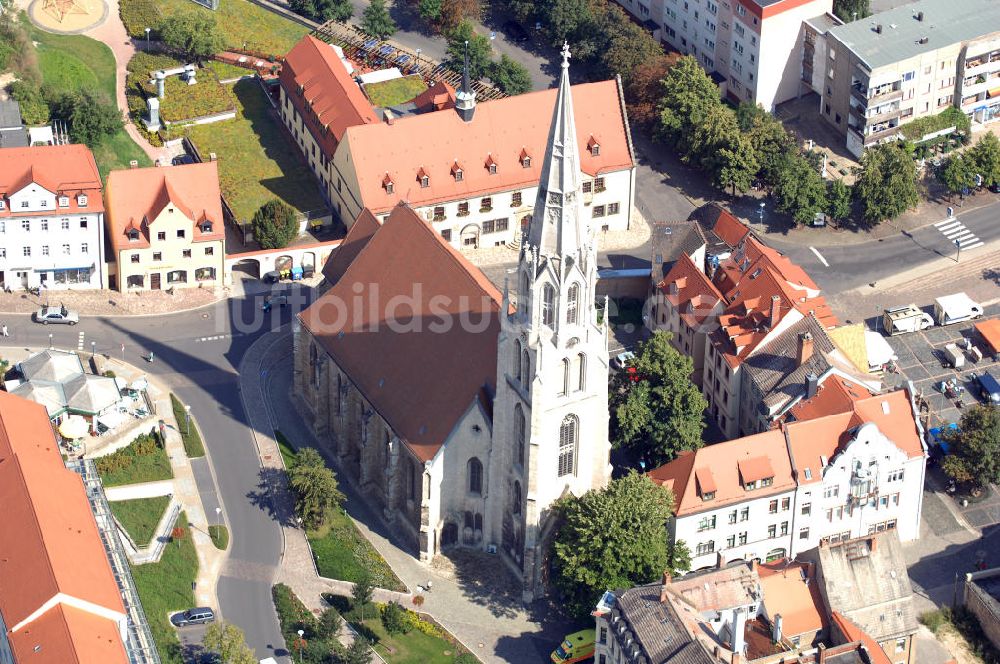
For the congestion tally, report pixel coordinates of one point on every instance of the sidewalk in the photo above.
(113, 303)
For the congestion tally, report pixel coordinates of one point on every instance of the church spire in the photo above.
(465, 99)
(557, 226)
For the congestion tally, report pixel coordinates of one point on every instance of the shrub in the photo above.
(466, 658)
(108, 373)
(275, 225)
(934, 619)
(144, 445)
(395, 619)
(137, 15)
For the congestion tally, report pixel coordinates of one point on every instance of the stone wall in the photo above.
(983, 605)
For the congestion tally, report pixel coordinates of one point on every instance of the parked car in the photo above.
(515, 32)
(622, 359)
(988, 388)
(57, 316)
(182, 159)
(197, 616)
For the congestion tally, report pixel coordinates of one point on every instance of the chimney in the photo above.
(753, 565)
(776, 628)
(812, 385)
(775, 310)
(720, 560)
(667, 577)
(872, 543)
(739, 629)
(821, 654)
(805, 348)
(663, 589)
(212, 156)
(737, 658)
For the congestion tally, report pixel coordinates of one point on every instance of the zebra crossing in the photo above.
(79, 341)
(955, 231)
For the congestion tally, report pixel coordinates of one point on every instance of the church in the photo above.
(460, 411)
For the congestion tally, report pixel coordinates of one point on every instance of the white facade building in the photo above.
(51, 218)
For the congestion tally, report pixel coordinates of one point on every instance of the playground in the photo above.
(68, 17)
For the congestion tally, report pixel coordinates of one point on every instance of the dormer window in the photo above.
(206, 227)
(491, 165)
(133, 234)
(64, 201)
(525, 159)
(457, 172)
(81, 200)
(388, 184)
(594, 147)
(3, 204)
(423, 178)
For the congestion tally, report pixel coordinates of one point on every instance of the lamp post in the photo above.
(299, 644)
(958, 249)
(187, 420)
(418, 60)
(93, 349)
(218, 516)
(760, 212)
(147, 38)
(50, 341)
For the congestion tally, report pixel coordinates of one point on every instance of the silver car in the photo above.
(56, 316)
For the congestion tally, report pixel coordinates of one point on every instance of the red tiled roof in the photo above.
(694, 288)
(729, 229)
(502, 128)
(421, 381)
(852, 632)
(836, 394)
(64, 170)
(790, 590)
(754, 469)
(49, 541)
(68, 635)
(324, 94)
(358, 235)
(706, 483)
(137, 195)
(440, 96)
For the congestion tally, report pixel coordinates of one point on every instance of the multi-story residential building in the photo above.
(471, 170)
(752, 48)
(855, 470)
(166, 227)
(51, 218)
(907, 63)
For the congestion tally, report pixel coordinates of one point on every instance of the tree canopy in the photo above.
(958, 174)
(611, 538)
(887, 183)
(849, 10)
(194, 33)
(975, 447)
(800, 191)
(657, 411)
(376, 20)
(315, 487)
(479, 50)
(323, 10)
(510, 76)
(91, 118)
(274, 224)
(838, 200)
(688, 97)
(985, 155)
(645, 88)
(228, 643)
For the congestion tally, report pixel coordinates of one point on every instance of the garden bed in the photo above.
(143, 460)
(342, 552)
(256, 162)
(395, 91)
(181, 102)
(140, 517)
(167, 586)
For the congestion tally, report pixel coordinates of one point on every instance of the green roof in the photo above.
(945, 22)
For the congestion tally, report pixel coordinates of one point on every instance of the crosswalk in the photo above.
(79, 341)
(955, 231)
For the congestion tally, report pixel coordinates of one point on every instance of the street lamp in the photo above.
(958, 248)
(50, 341)
(418, 60)
(147, 38)
(760, 212)
(301, 633)
(187, 420)
(218, 516)
(93, 349)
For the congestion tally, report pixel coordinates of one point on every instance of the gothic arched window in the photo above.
(568, 433)
(525, 369)
(516, 368)
(516, 498)
(572, 303)
(519, 434)
(524, 294)
(581, 372)
(314, 365)
(413, 481)
(475, 476)
(566, 373)
(548, 305)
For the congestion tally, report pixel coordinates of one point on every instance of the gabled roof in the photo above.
(836, 394)
(65, 170)
(358, 235)
(501, 127)
(136, 196)
(658, 627)
(323, 92)
(852, 632)
(719, 589)
(419, 377)
(727, 461)
(49, 541)
(670, 241)
(696, 297)
(68, 635)
(438, 96)
(728, 228)
(791, 591)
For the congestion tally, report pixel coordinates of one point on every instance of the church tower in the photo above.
(550, 418)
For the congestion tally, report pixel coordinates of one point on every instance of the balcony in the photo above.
(885, 116)
(884, 134)
(885, 96)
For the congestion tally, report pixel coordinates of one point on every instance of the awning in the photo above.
(74, 427)
(112, 419)
(878, 349)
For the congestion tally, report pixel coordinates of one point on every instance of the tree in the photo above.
(510, 76)
(565, 18)
(323, 10)
(838, 200)
(958, 174)
(329, 624)
(678, 557)
(975, 447)
(887, 183)
(274, 224)
(454, 12)
(800, 191)
(645, 88)
(736, 166)
(376, 20)
(362, 592)
(657, 410)
(611, 538)
(479, 50)
(358, 652)
(689, 96)
(394, 618)
(315, 487)
(229, 643)
(177, 534)
(985, 155)
(846, 9)
(34, 109)
(196, 34)
(430, 10)
(772, 145)
(628, 44)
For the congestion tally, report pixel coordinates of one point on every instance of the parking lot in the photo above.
(922, 360)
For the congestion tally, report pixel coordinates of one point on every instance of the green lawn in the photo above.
(140, 517)
(116, 152)
(414, 647)
(193, 446)
(220, 537)
(396, 91)
(342, 552)
(165, 587)
(243, 22)
(141, 461)
(256, 163)
(287, 451)
(224, 70)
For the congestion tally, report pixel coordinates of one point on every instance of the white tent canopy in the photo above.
(74, 427)
(878, 349)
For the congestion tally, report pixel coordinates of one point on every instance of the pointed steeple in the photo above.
(557, 225)
(465, 99)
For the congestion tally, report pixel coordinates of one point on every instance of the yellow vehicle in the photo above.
(576, 647)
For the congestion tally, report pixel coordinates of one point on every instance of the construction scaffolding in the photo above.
(375, 54)
(139, 644)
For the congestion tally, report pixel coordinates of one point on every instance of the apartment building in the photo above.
(51, 218)
(907, 63)
(855, 469)
(166, 227)
(752, 48)
(469, 169)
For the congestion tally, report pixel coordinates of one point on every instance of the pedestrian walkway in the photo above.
(958, 234)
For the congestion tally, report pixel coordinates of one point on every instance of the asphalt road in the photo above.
(203, 373)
